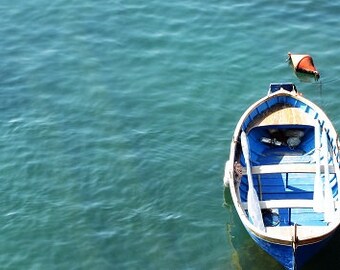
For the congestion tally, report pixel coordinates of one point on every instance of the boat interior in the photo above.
(285, 165)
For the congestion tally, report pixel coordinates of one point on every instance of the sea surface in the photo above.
(116, 119)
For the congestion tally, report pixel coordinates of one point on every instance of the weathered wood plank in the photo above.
(287, 168)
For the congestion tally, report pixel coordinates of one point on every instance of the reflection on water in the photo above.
(245, 250)
(235, 260)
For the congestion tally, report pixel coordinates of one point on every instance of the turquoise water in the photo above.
(116, 120)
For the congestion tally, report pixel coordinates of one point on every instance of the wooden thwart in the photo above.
(276, 204)
(287, 168)
(303, 232)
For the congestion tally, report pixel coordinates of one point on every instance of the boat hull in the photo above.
(285, 254)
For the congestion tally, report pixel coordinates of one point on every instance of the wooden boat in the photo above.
(283, 174)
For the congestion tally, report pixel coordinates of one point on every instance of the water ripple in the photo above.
(116, 119)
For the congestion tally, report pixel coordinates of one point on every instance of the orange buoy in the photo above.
(303, 63)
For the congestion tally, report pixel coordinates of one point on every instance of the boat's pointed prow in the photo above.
(303, 63)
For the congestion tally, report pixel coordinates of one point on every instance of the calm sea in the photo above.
(116, 119)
